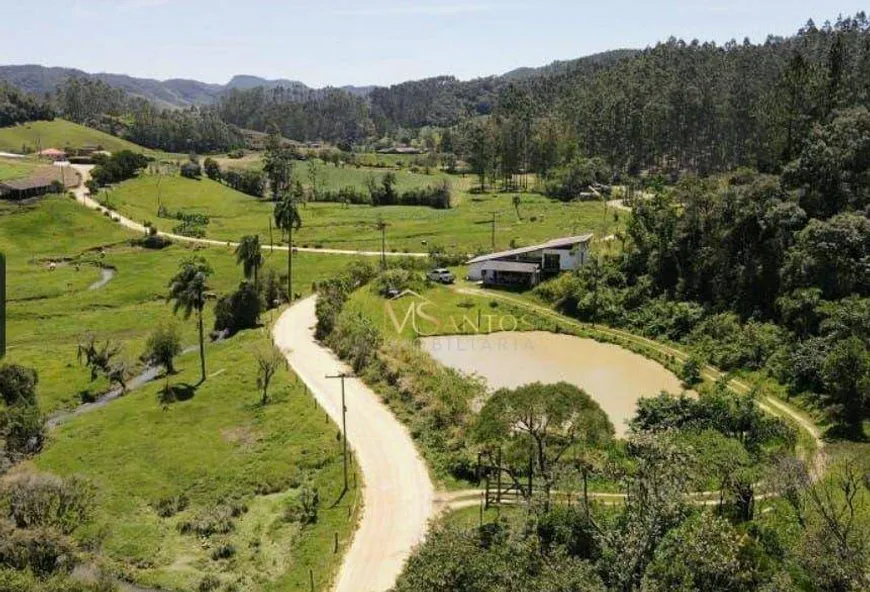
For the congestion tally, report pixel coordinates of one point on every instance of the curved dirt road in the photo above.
(398, 496)
(84, 198)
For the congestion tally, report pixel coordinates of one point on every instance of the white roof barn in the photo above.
(527, 266)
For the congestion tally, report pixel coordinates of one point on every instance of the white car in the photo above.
(441, 275)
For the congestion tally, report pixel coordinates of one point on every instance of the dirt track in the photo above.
(398, 496)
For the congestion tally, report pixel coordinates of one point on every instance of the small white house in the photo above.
(527, 266)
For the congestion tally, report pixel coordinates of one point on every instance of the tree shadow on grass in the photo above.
(176, 393)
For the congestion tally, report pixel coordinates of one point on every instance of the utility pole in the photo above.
(382, 226)
(493, 231)
(271, 244)
(342, 376)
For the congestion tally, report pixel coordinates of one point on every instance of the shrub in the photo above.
(304, 506)
(691, 371)
(22, 431)
(209, 583)
(239, 310)
(18, 384)
(399, 279)
(212, 169)
(210, 521)
(153, 241)
(162, 346)
(273, 289)
(34, 500)
(249, 182)
(191, 170)
(43, 551)
(167, 507)
(223, 550)
(355, 339)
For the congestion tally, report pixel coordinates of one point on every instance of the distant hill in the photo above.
(182, 93)
(175, 92)
(603, 59)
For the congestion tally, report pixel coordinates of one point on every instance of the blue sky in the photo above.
(375, 42)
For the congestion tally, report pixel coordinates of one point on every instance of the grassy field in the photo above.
(60, 133)
(48, 311)
(13, 168)
(466, 228)
(220, 444)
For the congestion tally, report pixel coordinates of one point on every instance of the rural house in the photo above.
(52, 154)
(527, 266)
(46, 179)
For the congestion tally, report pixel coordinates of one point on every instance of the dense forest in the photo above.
(754, 271)
(96, 104)
(18, 107)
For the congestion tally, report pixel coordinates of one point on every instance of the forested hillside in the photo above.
(18, 107)
(678, 106)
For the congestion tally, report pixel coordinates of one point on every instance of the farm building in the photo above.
(52, 154)
(47, 179)
(527, 266)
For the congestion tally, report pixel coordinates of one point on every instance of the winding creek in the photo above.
(613, 376)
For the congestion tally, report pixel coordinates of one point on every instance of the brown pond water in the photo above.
(613, 376)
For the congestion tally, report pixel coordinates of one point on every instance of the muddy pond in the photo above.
(613, 376)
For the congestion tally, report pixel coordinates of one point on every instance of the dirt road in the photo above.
(398, 496)
(83, 197)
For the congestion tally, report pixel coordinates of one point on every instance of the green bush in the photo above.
(32, 500)
(18, 384)
(166, 507)
(210, 521)
(239, 310)
(304, 506)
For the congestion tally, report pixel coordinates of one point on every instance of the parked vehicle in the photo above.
(441, 275)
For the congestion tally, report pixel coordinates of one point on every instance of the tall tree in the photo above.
(189, 290)
(537, 425)
(287, 218)
(278, 166)
(249, 254)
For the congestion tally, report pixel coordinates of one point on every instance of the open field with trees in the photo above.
(56, 306)
(59, 133)
(464, 228)
(221, 479)
(149, 432)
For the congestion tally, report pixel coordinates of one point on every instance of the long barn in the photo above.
(525, 267)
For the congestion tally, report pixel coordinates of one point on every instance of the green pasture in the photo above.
(14, 168)
(59, 133)
(466, 228)
(49, 310)
(220, 444)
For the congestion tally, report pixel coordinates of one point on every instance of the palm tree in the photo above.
(287, 218)
(189, 289)
(517, 201)
(249, 255)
